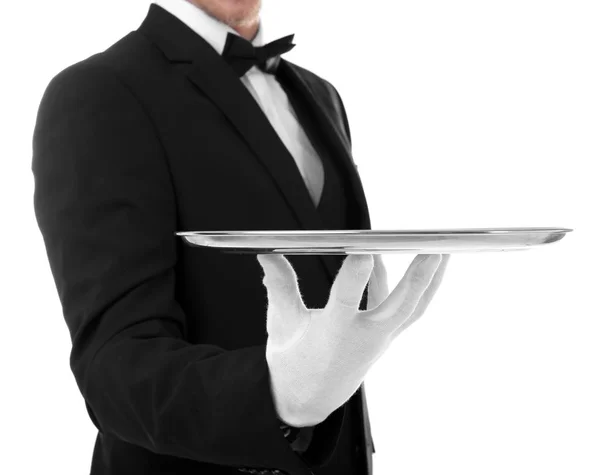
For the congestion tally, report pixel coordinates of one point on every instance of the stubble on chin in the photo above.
(245, 18)
(248, 18)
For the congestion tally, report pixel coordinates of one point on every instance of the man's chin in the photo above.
(241, 22)
(236, 21)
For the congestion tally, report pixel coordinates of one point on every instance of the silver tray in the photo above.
(430, 241)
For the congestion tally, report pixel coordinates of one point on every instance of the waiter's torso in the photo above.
(240, 176)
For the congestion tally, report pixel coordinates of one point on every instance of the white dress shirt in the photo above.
(265, 89)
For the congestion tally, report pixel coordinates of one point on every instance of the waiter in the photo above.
(192, 361)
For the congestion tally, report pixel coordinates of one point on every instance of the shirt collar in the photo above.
(212, 30)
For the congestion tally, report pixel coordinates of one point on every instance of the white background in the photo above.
(463, 114)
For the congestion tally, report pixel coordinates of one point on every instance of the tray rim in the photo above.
(409, 232)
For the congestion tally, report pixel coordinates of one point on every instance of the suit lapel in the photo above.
(210, 74)
(214, 77)
(319, 103)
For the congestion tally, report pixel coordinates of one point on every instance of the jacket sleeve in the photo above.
(105, 205)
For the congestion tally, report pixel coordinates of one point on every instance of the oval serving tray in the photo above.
(423, 241)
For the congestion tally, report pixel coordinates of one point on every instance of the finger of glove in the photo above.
(427, 296)
(374, 293)
(405, 297)
(377, 289)
(349, 285)
(375, 296)
(281, 281)
(379, 269)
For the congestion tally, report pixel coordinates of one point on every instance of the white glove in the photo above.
(378, 284)
(318, 358)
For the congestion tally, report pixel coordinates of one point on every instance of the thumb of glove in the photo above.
(287, 314)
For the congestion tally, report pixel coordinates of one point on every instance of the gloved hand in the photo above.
(318, 358)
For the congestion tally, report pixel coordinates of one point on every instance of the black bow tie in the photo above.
(241, 54)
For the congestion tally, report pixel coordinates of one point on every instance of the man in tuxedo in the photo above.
(182, 125)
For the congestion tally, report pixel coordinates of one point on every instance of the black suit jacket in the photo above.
(155, 135)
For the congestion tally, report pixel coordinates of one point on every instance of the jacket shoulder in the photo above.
(123, 59)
